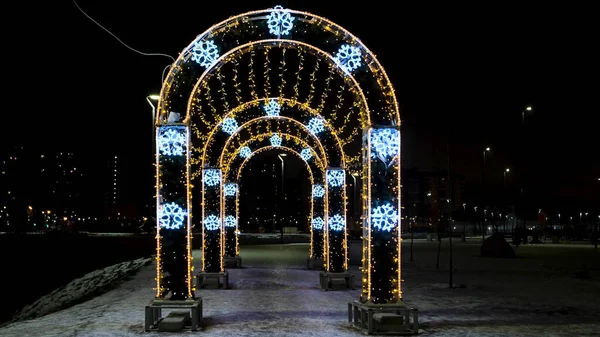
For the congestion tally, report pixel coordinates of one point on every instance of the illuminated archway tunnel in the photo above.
(289, 55)
(264, 142)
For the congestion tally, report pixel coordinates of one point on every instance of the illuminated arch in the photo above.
(286, 102)
(380, 150)
(283, 118)
(318, 162)
(334, 31)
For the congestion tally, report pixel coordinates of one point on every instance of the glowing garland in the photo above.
(212, 177)
(172, 140)
(280, 21)
(171, 216)
(317, 223)
(318, 191)
(212, 222)
(245, 152)
(335, 178)
(230, 221)
(273, 108)
(230, 189)
(205, 53)
(306, 154)
(337, 223)
(384, 218)
(348, 58)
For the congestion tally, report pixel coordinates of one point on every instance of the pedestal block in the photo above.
(315, 264)
(232, 262)
(396, 319)
(336, 281)
(212, 280)
(175, 321)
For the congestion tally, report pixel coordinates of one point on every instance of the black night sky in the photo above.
(463, 71)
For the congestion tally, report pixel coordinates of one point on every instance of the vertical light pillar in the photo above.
(173, 239)
(317, 221)
(382, 225)
(230, 220)
(335, 242)
(212, 221)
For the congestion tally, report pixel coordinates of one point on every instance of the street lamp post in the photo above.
(282, 189)
(149, 99)
(487, 149)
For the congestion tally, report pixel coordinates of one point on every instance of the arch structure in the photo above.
(232, 172)
(314, 67)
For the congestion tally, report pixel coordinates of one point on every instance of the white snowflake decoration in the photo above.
(317, 223)
(348, 58)
(229, 125)
(230, 221)
(275, 140)
(205, 53)
(273, 108)
(245, 152)
(211, 177)
(230, 189)
(172, 140)
(171, 216)
(335, 177)
(305, 154)
(316, 125)
(212, 222)
(318, 191)
(336, 223)
(280, 21)
(385, 145)
(384, 218)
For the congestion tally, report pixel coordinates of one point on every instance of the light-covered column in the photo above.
(173, 239)
(212, 219)
(317, 222)
(382, 230)
(335, 242)
(230, 220)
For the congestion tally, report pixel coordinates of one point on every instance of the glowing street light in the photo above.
(528, 108)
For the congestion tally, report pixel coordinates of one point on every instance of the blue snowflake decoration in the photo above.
(212, 222)
(348, 58)
(245, 152)
(275, 140)
(336, 223)
(384, 218)
(172, 140)
(273, 108)
(280, 21)
(171, 216)
(385, 145)
(317, 223)
(205, 53)
(211, 177)
(230, 221)
(318, 191)
(316, 125)
(230, 189)
(305, 154)
(335, 177)
(229, 125)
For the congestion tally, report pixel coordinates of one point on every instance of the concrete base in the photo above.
(315, 264)
(212, 280)
(384, 319)
(232, 262)
(176, 320)
(336, 281)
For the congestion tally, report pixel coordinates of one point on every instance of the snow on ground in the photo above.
(533, 295)
(90, 285)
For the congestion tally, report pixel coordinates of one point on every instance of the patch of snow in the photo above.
(88, 286)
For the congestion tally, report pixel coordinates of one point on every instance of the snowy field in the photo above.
(533, 295)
